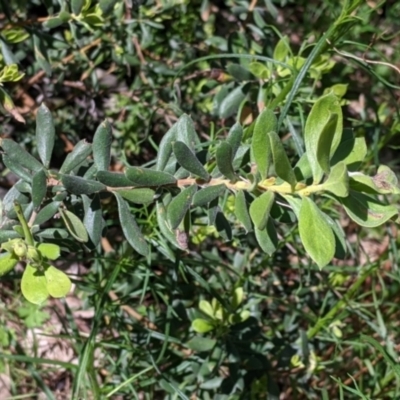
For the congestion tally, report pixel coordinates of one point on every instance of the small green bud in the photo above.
(33, 254)
(20, 249)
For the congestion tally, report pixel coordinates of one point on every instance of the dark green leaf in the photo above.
(149, 177)
(223, 226)
(165, 148)
(41, 54)
(238, 72)
(188, 160)
(17, 169)
(113, 179)
(138, 196)
(78, 185)
(316, 233)
(5, 235)
(74, 225)
(45, 134)
(76, 6)
(23, 186)
(224, 157)
(130, 228)
(53, 22)
(20, 156)
(93, 219)
(102, 146)
(199, 343)
(39, 187)
(179, 205)
(260, 208)
(260, 146)
(366, 210)
(47, 212)
(107, 6)
(242, 212)
(281, 161)
(77, 156)
(234, 137)
(207, 194)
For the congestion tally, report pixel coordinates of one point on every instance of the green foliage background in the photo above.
(272, 327)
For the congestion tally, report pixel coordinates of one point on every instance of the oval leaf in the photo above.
(316, 233)
(208, 194)
(45, 134)
(78, 185)
(20, 156)
(39, 187)
(93, 219)
(338, 180)
(188, 160)
(234, 137)
(138, 196)
(260, 208)
(242, 212)
(7, 262)
(102, 146)
(149, 177)
(224, 157)
(34, 285)
(58, 283)
(267, 238)
(77, 156)
(179, 205)
(113, 179)
(202, 326)
(260, 146)
(74, 225)
(129, 227)
(16, 168)
(47, 212)
(49, 250)
(231, 103)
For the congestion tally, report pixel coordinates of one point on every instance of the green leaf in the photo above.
(260, 208)
(47, 212)
(138, 196)
(208, 194)
(76, 6)
(20, 156)
(74, 225)
(206, 308)
(230, 104)
(166, 231)
(107, 6)
(53, 22)
(316, 233)
(281, 161)
(325, 143)
(8, 234)
(78, 185)
(149, 177)
(102, 146)
(129, 227)
(222, 225)
(200, 325)
(366, 210)
(352, 151)
(58, 283)
(16, 168)
(41, 54)
(338, 180)
(7, 262)
(302, 169)
(242, 212)
(384, 182)
(93, 219)
(45, 134)
(34, 285)
(188, 160)
(234, 138)
(260, 146)
(319, 123)
(113, 179)
(53, 233)
(238, 72)
(77, 156)
(200, 344)
(39, 187)
(224, 156)
(179, 205)
(185, 131)
(267, 238)
(49, 250)
(282, 49)
(165, 147)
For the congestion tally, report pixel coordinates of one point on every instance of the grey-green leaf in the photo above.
(260, 208)
(16, 168)
(102, 146)
(281, 161)
(76, 6)
(113, 179)
(242, 211)
(188, 160)
(45, 134)
(47, 212)
(208, 194)
(74, 225)
(338, 180)
(20, 156)
(77, 156)
(260, 146)
(230, 104)
(149, 177)
(224, 155)
(107, 5)
(179, 205)
(130, 228)
(39, 187)
(163, 225)
(93, 219)
(234, 137)
(78, 185)
(316, 233)
(138, 196)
